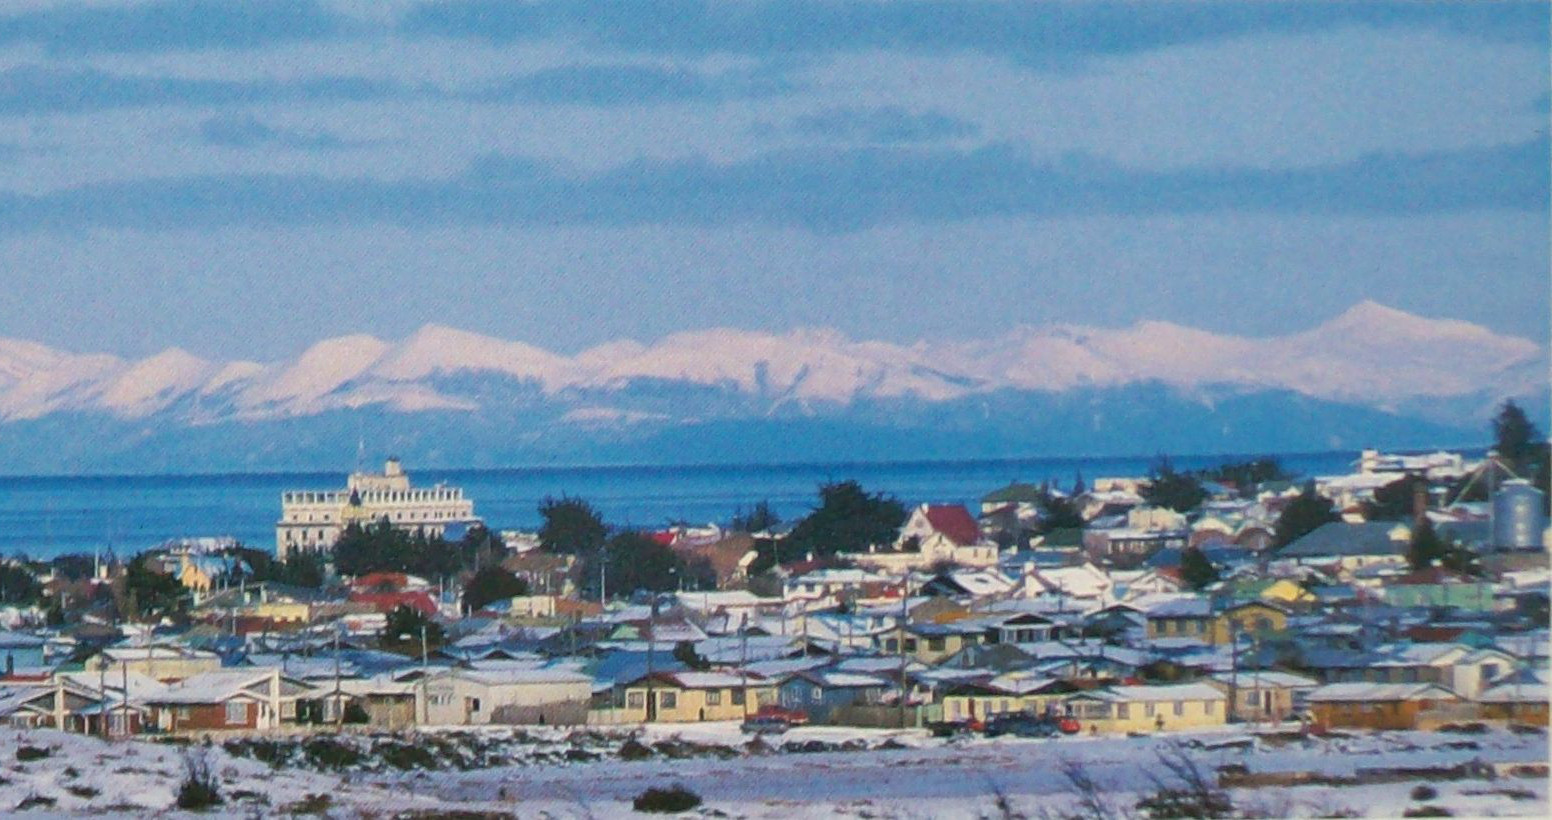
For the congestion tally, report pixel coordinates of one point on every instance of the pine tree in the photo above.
(1304, 514)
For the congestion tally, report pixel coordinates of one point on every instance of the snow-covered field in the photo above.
(912, 776)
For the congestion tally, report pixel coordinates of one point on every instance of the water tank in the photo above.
(1518, 520)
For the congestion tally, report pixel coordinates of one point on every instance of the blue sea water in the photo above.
(48, 516)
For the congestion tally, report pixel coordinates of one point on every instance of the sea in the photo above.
(46, 516)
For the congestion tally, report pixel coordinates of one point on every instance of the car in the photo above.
(793, 717)
(947, 728)
(764, 725)
(1069, 726)
(1021, 725)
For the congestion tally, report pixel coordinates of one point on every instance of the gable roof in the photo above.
(1340, 538)
(954, 522)
(1371, 692)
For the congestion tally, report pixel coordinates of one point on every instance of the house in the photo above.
(729, 556)
(1282, 591)
(934, 534)
(202, 572)
(930, 643)
(1350, 546)
(251, 699)
(1265, 695)
(53, 701)
(1461, 668)
(822, 693)
(1377, 705)
(688, 697)
(1148, 708)
(1524, 703)
(1439, 587)
(163, 662)
(1213, 622)
(505, 692)
(986, 696)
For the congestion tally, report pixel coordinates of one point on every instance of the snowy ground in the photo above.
(926, 778)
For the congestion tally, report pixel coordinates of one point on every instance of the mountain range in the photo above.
(446, 397)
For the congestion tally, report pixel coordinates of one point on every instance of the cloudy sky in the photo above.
(242, 179)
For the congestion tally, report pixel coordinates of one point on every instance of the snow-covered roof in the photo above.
(1516, 693)
(1365, 692)
(1173, 692)
(1256, 678)
(213, 687)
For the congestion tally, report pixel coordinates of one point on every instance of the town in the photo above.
(1410, 593)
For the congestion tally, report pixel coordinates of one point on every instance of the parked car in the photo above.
(765, 725)
(1069, 726)
(793, 717)
(1022, 725)
(947, 728)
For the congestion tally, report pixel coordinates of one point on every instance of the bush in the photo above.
(199, 789)
(327, 753)
(671, 800)
(26, 753)
(1427, 811)
(1424, 792)
(355, 713)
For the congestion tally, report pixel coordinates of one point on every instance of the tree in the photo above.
(759, 519)
(571, 526)
(489, 584)
(1058, 513)
(633, 561)
(18, 585)
(1246, 476)
(848, 519)
(1078, 487)
(1515, 437)
(382, 547)
(1426, 547)
(1181, 492)
(1307, 512)
(403, 630)
(1394, 501)
(149, 594)
(1196, 570)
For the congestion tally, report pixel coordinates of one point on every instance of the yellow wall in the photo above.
(1247, 617)
(282, 611)
(963, 707)
(1111, 717)
(693, 705)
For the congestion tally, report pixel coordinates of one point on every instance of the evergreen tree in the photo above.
(634, 562)
(759, 519)
(571, 526)
(848, 519)
(1394, 501)
(1426, 548)
(1058, 513)
(491, 584)
(1078, 487)
(1196, 570)
(402, 632)
(1307, 512)
(149, 594)
(1515, 437)
(1181, 492)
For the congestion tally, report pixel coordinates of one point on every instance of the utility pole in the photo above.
(339, 710)
(905, 597)
(1233, 667)
(102, 685)
(425, 694)
(743, 666)
(124, 699)
(651, 628)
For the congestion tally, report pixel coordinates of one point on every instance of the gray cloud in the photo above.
(1052, 34)
(247, 131)
(172, 25)
(625, 84)
(825, 191)
(43, 89)
(885, 124)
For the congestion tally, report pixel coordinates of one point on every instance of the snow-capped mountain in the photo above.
(1373, 358)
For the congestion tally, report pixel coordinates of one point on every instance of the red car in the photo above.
(793, 717)
(1069, 726)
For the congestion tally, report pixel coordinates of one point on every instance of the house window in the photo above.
(236, 713)
(910, 644)
(891, 645)
(1207, 706)
(1489, 671)
(1180, 708)
(1250, 698)
(635, 700)
(816, 694)
(668, 700)
(714, 697)
(936, 645)
(1148, 709)
(474, 704)
(765, 698)
(1123, 710)
(738, 697)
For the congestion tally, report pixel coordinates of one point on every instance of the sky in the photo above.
(243, 179)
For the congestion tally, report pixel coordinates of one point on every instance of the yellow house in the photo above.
(163, 662)
(282, 611)
(1004, 694)
(1284, 591)
(1197, 617)
(1148, 708)
(689, 697)
(1248, 618)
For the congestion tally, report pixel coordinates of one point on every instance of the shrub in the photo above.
(1427, 811)
(311, 804)
(671, 800)
(1424, 792)
(355, 713)
(327, 753)
(86, 792)
(26, 753)
(35, 801)
(200, 789)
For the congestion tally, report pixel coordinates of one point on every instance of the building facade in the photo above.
(313, 520)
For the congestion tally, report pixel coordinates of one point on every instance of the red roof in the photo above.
(664, 537)
(386, 602)
(954, 521)
(376, 580)
(1431, 576)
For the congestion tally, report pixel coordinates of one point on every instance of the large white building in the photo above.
(313, 520)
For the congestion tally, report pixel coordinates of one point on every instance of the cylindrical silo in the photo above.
(1518, 520)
